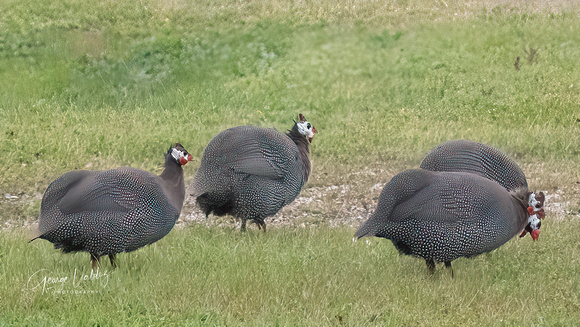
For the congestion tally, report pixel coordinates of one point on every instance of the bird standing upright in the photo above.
(113, 211)
(252, 172)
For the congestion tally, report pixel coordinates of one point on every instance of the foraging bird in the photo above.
(441, 216)
(477, 158)
(113, 211)
(252, 172)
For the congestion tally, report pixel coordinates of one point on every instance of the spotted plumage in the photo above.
(113, 211)
(441, 216)
(252, 172)
(476, 158)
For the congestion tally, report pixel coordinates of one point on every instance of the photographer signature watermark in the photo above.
(76, 283)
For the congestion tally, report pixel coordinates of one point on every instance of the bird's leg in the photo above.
(448, 265)
(263, 225)
(430, 265)
(243, 229)
(94, 261)
(113, 260)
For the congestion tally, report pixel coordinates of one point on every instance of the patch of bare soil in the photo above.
(353, 197)
(16, 210)
(341, 198)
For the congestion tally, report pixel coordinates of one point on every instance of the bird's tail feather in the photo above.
(366, 229)
(34, 233)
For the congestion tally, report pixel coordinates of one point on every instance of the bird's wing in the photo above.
(254, 151)
(431, 197)
(475, 158)
(450, 198)
(397, 193)
(107, 191)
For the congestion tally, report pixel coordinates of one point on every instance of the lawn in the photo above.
(310, 276)
(96, 85)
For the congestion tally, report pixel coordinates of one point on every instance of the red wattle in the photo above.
(535, 234)
(182, 161)
(530, 210)
(189, 157)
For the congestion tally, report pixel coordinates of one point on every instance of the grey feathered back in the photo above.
(441, 216)
(112, 211)
(251, 172)
(476, 158)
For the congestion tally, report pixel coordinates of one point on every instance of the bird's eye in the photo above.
(308, 125)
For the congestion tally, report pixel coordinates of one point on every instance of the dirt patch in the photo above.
(333, 205)
(344, 199)
(352, 202)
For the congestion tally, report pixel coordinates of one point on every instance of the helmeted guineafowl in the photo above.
(252, 172)
(113, 211)
(477, 158)
(441, 216)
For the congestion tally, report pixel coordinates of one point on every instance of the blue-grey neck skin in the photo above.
(520, 197)
(172, 182)
(303, 150)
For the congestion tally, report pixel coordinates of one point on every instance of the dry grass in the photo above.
(387, 14)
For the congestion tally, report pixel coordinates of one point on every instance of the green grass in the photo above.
(80, 85)
(96, 85)
(310, 277)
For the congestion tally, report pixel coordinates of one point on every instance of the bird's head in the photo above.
(536, 213)
(178, 152)
(305, 128)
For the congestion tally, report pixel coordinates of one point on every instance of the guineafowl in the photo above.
(113, 211)
(441, 216)
(477, 158)
(252, 172)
